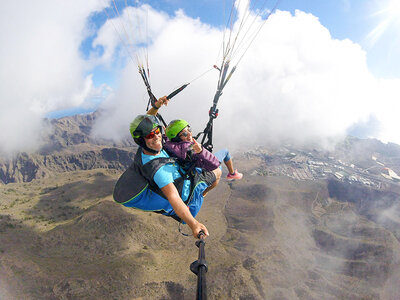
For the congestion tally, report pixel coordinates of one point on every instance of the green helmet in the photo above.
(174, 127)
(142, 125)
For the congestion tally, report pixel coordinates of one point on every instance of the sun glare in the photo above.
(394, 8)
(389, 13)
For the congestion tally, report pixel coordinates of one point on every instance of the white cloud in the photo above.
(296, 83)
(390, 214)
(387, 107)
(174, 60)
(41, 65)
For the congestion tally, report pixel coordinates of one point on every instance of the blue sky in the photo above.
(330, 67)
(344, 19)
(354, 20)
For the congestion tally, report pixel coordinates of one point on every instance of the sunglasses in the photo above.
(153, 134)
(186, 132)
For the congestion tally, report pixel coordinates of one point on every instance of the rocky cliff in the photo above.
(69, 147)
(25, 168)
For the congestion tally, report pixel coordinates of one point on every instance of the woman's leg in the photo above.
(224, 156)
(217, 172)
(229, 165)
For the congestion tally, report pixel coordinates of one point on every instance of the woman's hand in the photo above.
(197, 147)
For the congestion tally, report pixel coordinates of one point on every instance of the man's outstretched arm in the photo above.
(182, 210)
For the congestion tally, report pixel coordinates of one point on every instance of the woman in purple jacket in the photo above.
(182, 144)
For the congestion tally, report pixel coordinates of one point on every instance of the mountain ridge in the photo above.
(303, 223)
(71, 147)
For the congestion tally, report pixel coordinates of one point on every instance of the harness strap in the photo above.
(149, 169)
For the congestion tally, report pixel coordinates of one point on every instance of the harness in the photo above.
(139, 177)
(149, 169)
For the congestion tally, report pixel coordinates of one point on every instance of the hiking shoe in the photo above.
(235, 175)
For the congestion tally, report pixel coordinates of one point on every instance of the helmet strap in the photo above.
(150, 150)
(141, 142)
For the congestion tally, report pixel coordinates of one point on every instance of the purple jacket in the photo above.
(205, 159)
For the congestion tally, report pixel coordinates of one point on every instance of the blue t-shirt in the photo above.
(168, 173)
(148, 200)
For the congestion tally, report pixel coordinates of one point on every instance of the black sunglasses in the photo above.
(186, 132)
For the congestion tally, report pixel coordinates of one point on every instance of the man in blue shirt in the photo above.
(147, 134)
